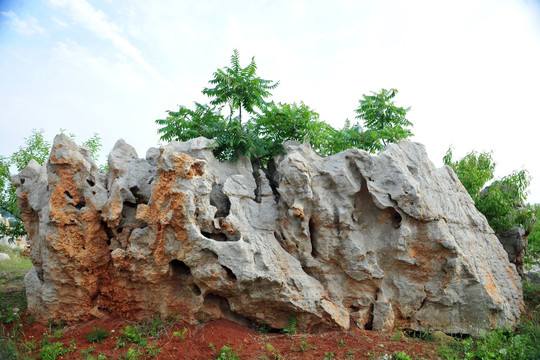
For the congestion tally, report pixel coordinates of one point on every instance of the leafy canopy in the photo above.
(502, 202)
(262, 135)
(239, 87)
(386, 122)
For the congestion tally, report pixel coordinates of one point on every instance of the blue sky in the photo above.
(469, 69)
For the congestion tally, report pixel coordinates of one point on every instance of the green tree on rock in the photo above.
(271, 124)
(385, 122)
(239, 87)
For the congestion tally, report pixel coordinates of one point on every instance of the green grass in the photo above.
(12, 292)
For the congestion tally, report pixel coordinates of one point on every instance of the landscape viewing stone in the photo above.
(354, 239)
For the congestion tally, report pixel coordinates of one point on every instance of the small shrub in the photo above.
(181, 335)
(130, 334)
(401, 356)
(52, 351)
(153, 351)
(90, 350)
(97, 335)
(341, 343)
(227, 353)
(328, 356)
(273, 352)
(291, 329)
(131, 354)
(8, 349)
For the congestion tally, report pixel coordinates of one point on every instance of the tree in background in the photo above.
(35, 148)
(262, 135)
(502, 202)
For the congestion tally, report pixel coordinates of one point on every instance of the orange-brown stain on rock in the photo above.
(491, 286)
(298, 212)
(166, 208)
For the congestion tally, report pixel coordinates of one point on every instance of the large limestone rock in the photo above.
(351, 239)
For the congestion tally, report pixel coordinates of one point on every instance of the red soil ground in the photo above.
(205, 341)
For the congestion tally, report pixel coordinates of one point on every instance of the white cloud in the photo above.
(94, 20)
(28, 26)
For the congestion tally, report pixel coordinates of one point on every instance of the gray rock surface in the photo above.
(514, 242)
(372, 241)
(4, 257)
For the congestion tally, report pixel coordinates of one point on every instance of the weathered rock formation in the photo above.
(514, 242)
(374, 241)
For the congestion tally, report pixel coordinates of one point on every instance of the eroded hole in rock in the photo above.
(179, 268)
(313, 238)
(369, 323)
(412, 170)
(90, 182)
(230, 274)
(108, 231)
(354, 308)
(130, 204)
(80, 205)
(68, 195)
(216, 237)
(337, 221)
(119, 230)
(258, 182)
(220, 201)
(139, 195)
(195, 290)
(23, 180)
(396, 218)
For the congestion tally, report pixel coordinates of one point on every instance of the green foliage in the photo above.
(402, 355)
(282, 122)
(181, 335)
(239, 87)
(503, 202)
(385, 122)
(533, 245)
(8, 349)
(97, 335)
(131, 354)
(304, 346)
(130, 334)
(328, 356)
(227, 353)
(261, 137)
(152, 351)
(35, 148)
(291, 329)
(531, 294)
(474, 170)
(499, 344)
(52, 351)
